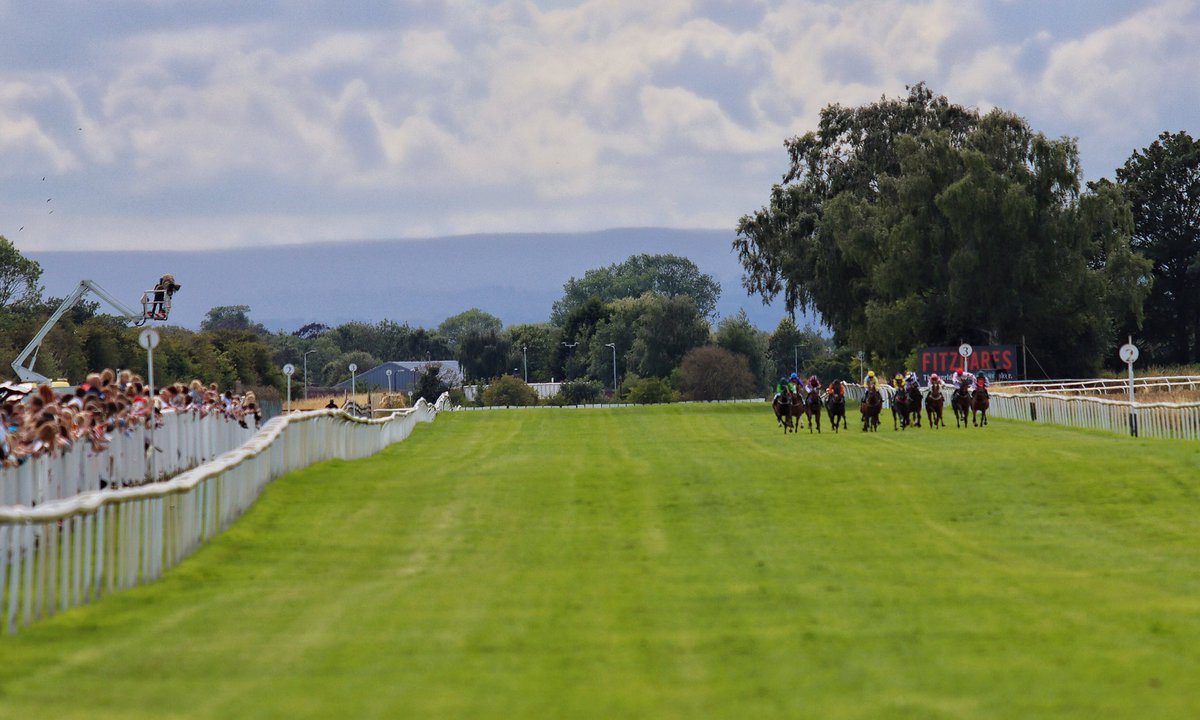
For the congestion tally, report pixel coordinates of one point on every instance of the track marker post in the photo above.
(1129, 354)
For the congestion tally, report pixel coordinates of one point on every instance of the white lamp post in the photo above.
(614, 349)
(306, 354)
(353, 377)
(569, 347)
(525, 361)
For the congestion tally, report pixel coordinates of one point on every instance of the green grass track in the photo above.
(667, 562)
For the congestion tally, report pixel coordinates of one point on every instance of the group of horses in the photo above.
(792, 407)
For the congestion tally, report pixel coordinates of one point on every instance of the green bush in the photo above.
(580, 392)
(509, 390)
(646, 391)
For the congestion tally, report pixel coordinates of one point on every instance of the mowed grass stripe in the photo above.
(677, 561)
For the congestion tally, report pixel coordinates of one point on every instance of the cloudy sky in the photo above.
(222, 123)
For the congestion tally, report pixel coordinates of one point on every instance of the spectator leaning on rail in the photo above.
(42, 422)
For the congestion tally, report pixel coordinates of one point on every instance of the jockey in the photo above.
(911, 380)
(780, 387)
(981, 384)
(935, 382)
(836, 389)
(871, 381)
(813, 385)
(898, 381)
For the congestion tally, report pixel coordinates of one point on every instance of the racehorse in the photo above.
(782, 405)
(899, 409)
(812, 408)
(871, 405)
(835, 404)
(914, 404)
(979, 404)
(960, 403)
(933, 406)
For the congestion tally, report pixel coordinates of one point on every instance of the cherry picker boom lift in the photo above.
(156, 305)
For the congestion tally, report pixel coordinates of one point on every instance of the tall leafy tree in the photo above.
(666, 331)
(470, 322)
(19, 275)
(536, 346)
(715, 373)
(485, 355)
(228, 317)
(1162, 183)
(914, 221)
(667, 275)
(738, 335)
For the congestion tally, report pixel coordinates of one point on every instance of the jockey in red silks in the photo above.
(935, 383)
(813, 384)
(981, 384)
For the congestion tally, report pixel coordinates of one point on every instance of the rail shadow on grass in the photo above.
(668, 562)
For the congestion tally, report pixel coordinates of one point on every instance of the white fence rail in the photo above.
(1174, 383)
(186, 440)
(69, 552)
(1178, 421)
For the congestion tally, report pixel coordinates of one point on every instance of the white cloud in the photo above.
(467, 115)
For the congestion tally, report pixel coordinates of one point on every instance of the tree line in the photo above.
(653, 314)
(914, 221)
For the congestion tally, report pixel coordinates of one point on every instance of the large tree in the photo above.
(916, 221)
(1163, 184)
(738, 335)
(473, 322)
(667, 275)
(19, 275)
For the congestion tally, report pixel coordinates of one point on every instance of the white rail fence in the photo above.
(70, 552)
(186, 440)
(1177, 421)
(1114, 386)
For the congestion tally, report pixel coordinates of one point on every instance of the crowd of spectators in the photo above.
(43, 421)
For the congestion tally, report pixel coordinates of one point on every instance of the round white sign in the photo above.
(388, 372)
(289, 369)
(965, 350)
(861, 355)
(353, 367)
(148, 338)
(1129, 353)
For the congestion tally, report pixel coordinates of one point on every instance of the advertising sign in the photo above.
(998, 362)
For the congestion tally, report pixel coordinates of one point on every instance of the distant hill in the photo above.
(516, 277)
